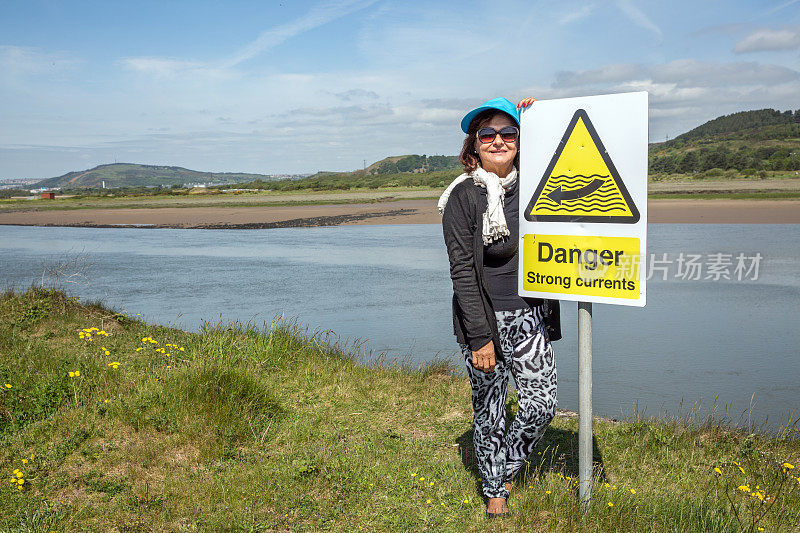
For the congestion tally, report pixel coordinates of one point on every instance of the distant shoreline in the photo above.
(407, 211)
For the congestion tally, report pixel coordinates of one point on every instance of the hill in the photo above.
(744, 144)
(134, 175)
(748, 143)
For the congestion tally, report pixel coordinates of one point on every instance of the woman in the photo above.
(500, 333)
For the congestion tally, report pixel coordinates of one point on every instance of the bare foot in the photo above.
(497, 506)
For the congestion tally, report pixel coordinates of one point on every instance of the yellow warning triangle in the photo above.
(581, 183)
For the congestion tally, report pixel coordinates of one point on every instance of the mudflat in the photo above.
(403, 211)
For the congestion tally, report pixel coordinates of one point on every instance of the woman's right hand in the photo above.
(483, 358)
(525, 103)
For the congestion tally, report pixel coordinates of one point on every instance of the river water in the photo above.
(730, 341)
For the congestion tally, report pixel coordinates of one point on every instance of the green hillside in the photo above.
(133, 175)
(744, 144)
(748, 143)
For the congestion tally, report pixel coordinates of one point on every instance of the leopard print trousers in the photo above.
(528, 356)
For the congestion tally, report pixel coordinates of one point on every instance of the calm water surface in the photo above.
(696, 341)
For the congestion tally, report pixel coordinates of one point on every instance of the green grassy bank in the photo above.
(112, 424)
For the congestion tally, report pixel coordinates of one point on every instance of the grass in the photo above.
(242, 429)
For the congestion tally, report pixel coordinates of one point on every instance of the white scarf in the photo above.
(494, 221)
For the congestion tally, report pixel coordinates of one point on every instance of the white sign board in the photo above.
(583, 203)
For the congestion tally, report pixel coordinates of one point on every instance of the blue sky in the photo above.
(295, 87)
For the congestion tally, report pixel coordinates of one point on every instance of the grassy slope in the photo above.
(249, 430)
(135, 175)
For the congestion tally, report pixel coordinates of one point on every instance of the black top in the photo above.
(501, 260)
(474, 322)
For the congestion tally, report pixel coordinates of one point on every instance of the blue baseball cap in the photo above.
(501, 104)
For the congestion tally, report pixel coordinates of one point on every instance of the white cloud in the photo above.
(27, 61)
(163, 67)
(638, 17)
(584, 11)
(768, 40)
(681, 73)
(318, 16)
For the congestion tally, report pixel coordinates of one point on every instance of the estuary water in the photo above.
(721, 323)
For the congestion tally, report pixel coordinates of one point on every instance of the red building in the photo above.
(48, 196)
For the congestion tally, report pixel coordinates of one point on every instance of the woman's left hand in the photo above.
(525, 103)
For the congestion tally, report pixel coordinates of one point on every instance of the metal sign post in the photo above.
(585, 403)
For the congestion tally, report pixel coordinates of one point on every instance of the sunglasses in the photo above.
(509, 134)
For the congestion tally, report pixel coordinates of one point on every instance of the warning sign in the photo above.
(581, 183)
(583, 176)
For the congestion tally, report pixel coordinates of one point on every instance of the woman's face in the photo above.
(497, 156)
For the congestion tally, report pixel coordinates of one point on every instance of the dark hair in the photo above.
(469, 155)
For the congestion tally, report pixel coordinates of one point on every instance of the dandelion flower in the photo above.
(744, 488)
(181, 348)
(413, 474)
(427, 501)
(607, 485)
(632, 491)
(422, 479)
(740, 468)
(547, 492)
(788, 466)
(21, 482)
(16, 470)
(431, 484)
(717, 470)
(114, 364)
(71, 374)
(466, 501)
(32, 457)
(105, 401)
(140, 348)
(760, 528)
(19, 474)
(8, 385)
(610, 504)
(24, 461)
(759, 495)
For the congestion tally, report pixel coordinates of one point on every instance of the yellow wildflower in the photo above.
(21, 482)
(547, 492)
(610, 504)
(19, 474)
(632, 491)
(759, 495)
(607, 485)
(24, 461)
(8, 385)
(742, 469)
(181, 349)
(427, 501)
(788, 466)
(16, 470)
(32, 457)
(744, 488)
(422, 479)
(105, 401)
(431, 483)
(760, 528)
(413, 474)
(717, 470)
(114, 364)
(139, 348)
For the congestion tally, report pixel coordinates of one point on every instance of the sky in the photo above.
(297, 87)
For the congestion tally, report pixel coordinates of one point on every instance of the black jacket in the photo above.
(474, 321)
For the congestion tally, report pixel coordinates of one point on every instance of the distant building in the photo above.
(48, 196)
